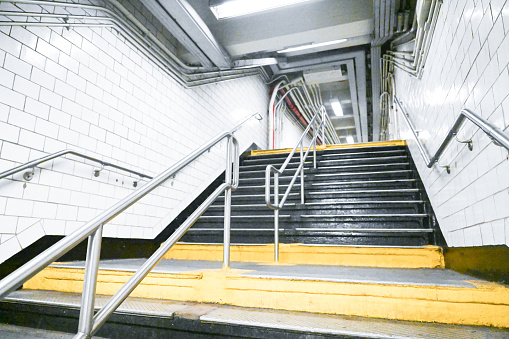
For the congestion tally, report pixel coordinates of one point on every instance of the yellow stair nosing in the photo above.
(331, 147)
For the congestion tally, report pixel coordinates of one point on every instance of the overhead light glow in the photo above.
(349, 139)
(336, 107)
(224, 9)
(312, 45)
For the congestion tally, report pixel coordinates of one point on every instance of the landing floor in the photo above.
(318, 324)
(390, 276)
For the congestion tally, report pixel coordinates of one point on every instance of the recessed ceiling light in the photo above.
(349, 139)
(336, 107)
(224, 9)
(312, 45)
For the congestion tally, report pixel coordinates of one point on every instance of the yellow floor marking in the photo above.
(488, 305)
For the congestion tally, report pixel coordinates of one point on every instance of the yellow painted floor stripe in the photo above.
(299, 254)
(487, 305)
(331, 147)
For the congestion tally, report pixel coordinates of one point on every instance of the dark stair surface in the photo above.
(359, 196)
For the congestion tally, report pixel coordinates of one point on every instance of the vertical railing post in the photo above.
(89, 284)
(227, 203)
(322, 109)
(302, 172)
(276, 217)
(315, 132)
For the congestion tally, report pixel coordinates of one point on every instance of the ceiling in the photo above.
(342, 69)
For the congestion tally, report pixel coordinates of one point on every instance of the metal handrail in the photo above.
(88, 323)
(33, 163)
(277, 205)
(499, 137)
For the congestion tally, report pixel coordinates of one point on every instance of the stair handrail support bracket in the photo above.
(277, 204)
(499, 137)
(88, 323)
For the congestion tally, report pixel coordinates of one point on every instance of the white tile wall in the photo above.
(467, 67)
(86, 89)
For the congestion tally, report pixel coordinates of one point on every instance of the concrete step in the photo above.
(305, 254)
(428, 295)
(198, 320)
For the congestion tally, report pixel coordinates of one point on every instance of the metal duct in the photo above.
(180, 18)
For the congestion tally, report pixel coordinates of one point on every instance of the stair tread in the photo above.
(391, 276)
(293, 320)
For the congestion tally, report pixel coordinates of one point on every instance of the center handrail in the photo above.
(89, 323)
(277, 205)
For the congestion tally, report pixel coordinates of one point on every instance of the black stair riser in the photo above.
(343, 240)
(333, 175)
(412, 209)
(343, 222)
(323, 156)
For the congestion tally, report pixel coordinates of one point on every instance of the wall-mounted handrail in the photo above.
(277, 204)
(33, 163)
(89, 323)
(499, 137)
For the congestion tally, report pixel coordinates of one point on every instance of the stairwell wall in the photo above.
(89, 90)
(467, 67)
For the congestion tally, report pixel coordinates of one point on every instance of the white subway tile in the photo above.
(65, 90)
(31, 235)
(26, 222)
(19, 207)
(60, 195)
(31, 140)
(45, 210)
(26, 87)
(35, 107)
(50, 98)
(24, 36)
(9, 247)
(59, 42)
(61, 118)
(3, 203)
(46, 128)
(22, 119)
(17, 66)
(6, 78)
(9, 45)
(50, 178)
(54, 227)
(43, 79)
(67, 212)
(68, 136)
(8, 224)
(9, 132)
(14, 152)
(47, 50)
(56, 70)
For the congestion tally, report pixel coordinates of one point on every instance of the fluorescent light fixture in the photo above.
(336, 107)
(224, 9)
(349, 139)
(312, 45)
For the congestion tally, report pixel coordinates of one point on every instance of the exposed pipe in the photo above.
(186, 76)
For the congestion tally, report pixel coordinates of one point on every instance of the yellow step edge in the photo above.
(487, 305)
(330, 147)
(299, 254)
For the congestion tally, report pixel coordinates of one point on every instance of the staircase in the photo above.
(358, 260)
(356, 196)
